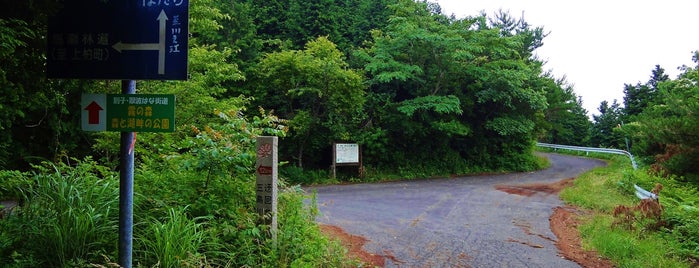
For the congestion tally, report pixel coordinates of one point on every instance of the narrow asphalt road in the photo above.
(454, 222)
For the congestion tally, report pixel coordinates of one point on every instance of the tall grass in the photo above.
(630, 248)
(600, 191)
(301, 244)
(69, 216)
(175, 241)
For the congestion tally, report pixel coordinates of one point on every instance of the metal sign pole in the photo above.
(126, 171)
(122, 37)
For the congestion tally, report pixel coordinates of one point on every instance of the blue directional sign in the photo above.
(119, 39)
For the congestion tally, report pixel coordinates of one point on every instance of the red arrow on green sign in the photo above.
(93, 113)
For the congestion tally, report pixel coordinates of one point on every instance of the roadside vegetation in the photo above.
(423, 93)
(188, 212)
(641, 240)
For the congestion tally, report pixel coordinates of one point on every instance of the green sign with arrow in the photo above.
(128, 112)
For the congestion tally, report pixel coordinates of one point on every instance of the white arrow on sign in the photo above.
(160, 46)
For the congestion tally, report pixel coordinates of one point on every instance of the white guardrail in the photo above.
(590, 150)
(640, 192)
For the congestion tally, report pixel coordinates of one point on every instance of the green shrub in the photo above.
(680, 201)
(605, 188)
(194, 206)
(232, 234)
(13, 184)
(298, 175)
(300, 242)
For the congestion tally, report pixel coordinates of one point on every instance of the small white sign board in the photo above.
(346, 153)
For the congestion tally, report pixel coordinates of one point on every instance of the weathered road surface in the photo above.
(454, 222)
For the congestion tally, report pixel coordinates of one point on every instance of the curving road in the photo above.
(454, 222)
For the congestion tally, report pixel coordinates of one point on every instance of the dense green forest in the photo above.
(407, 83)
(421, 92)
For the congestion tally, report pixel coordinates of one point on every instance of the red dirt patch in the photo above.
(354, 245)
(564, 223)
(534, 188)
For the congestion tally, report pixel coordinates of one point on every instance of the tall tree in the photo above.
(453, 89)
(296, 22)
(237, 30)
(531, 37)
(565, 120)
(509, 97)
(315, 89)
(638, 97)
(37, 116)
(411, 67)
(665, 133)
(606, 122)
(658, 76)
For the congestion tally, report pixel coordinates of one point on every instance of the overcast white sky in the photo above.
(602, 45)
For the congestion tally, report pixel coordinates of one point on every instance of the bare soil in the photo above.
(564, 224)
(535, 188)
(354, 245)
